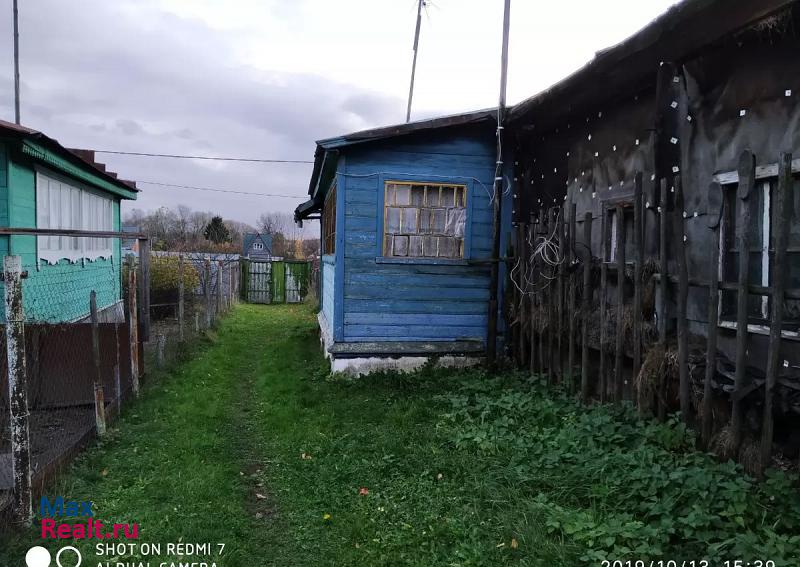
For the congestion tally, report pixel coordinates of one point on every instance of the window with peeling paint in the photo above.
(329, 223)
(424, 220)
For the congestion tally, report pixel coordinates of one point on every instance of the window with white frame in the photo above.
(761, 250)
(60, 204)
(258, 246)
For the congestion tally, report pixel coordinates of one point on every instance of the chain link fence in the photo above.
(78, 336)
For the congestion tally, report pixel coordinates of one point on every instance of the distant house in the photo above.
(45, 185)
(257, 246)
(406, 221)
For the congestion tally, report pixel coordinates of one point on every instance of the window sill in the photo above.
(426, 261)
(759, 330)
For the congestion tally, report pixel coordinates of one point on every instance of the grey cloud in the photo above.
(127, 75)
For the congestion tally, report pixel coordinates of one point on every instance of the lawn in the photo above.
(251, 443)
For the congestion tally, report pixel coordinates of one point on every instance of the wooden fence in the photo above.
(611, 342)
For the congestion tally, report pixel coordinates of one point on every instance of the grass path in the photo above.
(251, 443)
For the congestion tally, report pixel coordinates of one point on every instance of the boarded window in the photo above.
(762, 239)
(424, 220)
(329, 223)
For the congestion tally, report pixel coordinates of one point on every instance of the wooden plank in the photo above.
(711, 331)
(604, 228)
(638, 244)
(531, 295)
(560, 281)
(682, 298)
(662, 285)
(573, 211)
(97, 382)
(586, 304)
(133, 326)
(762, 172)
(620, 328)
(207, 271)
(782, 213)
(181, 333)
(145, 284)
(550, 227)
(746, 186)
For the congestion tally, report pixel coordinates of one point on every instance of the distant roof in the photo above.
(79, 158)
(249, 237)
(679, 33)
(325, 165)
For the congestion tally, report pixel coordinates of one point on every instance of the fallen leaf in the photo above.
(105, 472)
(514, 544)
(363, 491)
(260, 496)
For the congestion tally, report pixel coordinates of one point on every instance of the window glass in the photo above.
(424, 220)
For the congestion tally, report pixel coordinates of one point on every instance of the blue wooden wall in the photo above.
(419, 300)
(328, 285)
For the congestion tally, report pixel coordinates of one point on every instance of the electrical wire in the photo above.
(212, 158)
(215, 190)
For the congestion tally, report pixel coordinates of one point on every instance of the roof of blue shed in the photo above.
(327, 152)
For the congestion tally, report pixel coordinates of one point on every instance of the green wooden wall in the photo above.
(59, 292)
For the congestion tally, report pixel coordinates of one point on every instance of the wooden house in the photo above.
(651, 169)
(45, 185)
(257, 246)
(406, 224)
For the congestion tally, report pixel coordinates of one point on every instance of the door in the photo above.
(259, 282)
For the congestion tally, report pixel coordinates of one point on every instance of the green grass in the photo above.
(251, 443)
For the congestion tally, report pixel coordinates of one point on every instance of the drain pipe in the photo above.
(494, 284)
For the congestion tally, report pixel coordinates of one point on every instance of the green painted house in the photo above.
(45, 185)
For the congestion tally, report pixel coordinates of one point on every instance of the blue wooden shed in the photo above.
(406, 231)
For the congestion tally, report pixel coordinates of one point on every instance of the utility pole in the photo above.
(494, 284)
(16, 63)
(420, 4)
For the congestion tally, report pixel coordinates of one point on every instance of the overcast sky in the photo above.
(266, 78)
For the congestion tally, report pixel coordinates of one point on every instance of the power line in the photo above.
(216, 190)
(214, 158)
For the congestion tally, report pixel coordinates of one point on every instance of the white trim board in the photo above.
(762, 172)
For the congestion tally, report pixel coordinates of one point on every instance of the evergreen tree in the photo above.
(216, 231)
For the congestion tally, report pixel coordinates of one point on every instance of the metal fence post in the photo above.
(133, 326)
(207, 265)
(220, 283)
(180, 298)
(99, 394)
(18, 390)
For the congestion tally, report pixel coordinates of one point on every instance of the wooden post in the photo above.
(782, 215)
(662, 286)
(133, 326)
(573, 211)
(18, 391)
(620, 329)
(713, 319)
(529, 235)
(747, 167)
(638, 243)
(679, 239)
(209, 313)
(144, 288)
(196, 322)
(551, 298)
(117, 371)
(603, 288)
(99, 395)
(220, 284)
(586, 305)
(561, 243)
(181, 335)
(161, 342)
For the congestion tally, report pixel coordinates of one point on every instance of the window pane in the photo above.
(392, 220)
(455, 222)
(447, 198)
(409, 225)
(417, 196)
(390, 193)
(415, 246)
(447, 247)
(460, 197)
(403, 195)
(438, 221)
(425, 220)
(400, 246)
(432, 196)
(430, 246)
